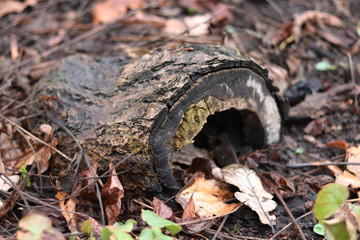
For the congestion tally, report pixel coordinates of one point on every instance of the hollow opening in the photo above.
(229, 134)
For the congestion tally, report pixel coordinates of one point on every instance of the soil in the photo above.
(47, 32)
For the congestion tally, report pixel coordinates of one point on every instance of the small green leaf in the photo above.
(105, 234)
(191, 10)
(299, 151)
(114, 232)
(319, 229)
(146, 234)
(24, 175)
(230, 29)
(324, 66)
(155, 220)
(86, 228)
(127, 226)
(329, 200)
(73, 237)
(336, 229)
(159, 234)
(234, 230)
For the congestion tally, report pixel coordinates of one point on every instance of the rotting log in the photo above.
(160, 102)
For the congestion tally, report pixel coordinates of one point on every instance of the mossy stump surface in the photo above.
(153, 106)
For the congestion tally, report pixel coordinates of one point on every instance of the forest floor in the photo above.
(311, 49)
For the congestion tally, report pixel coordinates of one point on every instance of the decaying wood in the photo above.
(155, 105)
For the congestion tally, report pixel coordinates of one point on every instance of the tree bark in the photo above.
(153, 106)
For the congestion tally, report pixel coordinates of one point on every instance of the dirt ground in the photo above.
(311, 49)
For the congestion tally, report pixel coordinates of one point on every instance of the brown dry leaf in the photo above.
(162, 209)
(43, 153)
(68, 210)
(354, 157)
(189, 210)
(283, 33)
(198, 25)
(174, 26)
(345, 177)
(112, 193)
(340, 144)
(111, 10)
(316, 126)
(75, 219)
(202, 165)
(281, 182)
(187, 153)
(222, 14)
(209, 196)
(307, 108)
(88, 195)
(252, 192)
(315, 17)
(37, 227)
(10, 6)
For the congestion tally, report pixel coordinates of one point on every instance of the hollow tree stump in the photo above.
(152, 107)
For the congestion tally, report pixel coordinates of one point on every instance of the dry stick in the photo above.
(211, 231)
(284, 228)
(352, 72)
(277, 9)
(85, 35)
(35, 138)
(21, 193)
(278, 195)
(220, 227)
(320, 164)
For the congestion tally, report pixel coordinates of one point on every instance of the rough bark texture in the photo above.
(153, 106)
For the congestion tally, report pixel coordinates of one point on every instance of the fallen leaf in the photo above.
(340, 144)
(308, 108)
(189, 210)
(37, 227)
(112, 193)
(314, 17)
(198, 25)
(10, 6)
(283, 33)
(68, 210)
(174, 26)
(209, 196)
(111, 10)
(162, 209)
(202, 165)
(43, 153)
(316, 126)
(354, 157)
(252, 192)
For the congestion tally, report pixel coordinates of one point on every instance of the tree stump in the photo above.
(157, 104)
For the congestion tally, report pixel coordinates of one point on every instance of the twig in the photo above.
(278, 195)
(220, 227)
(288, 225)
(352, 72)
(211, 231)
(35, 138)
(320, 164)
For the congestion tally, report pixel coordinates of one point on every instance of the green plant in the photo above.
(156, 223)
(335, 216)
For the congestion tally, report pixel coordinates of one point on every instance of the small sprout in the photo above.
(191, 10)
(324, 66)
(24, 175)
(299, 151)
(319, 229)
(230, 29)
